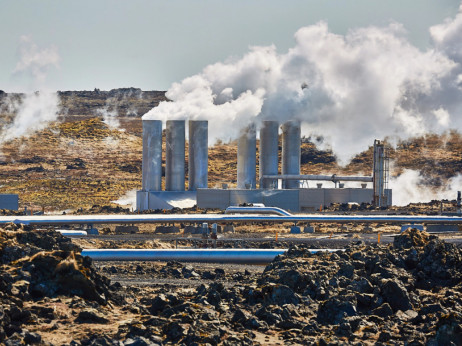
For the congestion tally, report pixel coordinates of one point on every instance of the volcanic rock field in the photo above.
(404, 289)
(406, 292)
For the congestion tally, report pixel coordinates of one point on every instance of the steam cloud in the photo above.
(109, 116)
(34, 113)
(36, 109)
(370, 83)
(34, 60)
(409, 187)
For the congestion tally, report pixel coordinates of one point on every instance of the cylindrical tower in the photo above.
(291, 153)
(152, 155)
(247, 158)
(380, 174)
(268, 153)
(198, 154)
(174, 160)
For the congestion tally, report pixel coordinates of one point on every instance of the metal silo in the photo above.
(247, 158)
(269, 152)
(198, 154)
(291, 152)
(152, 155)
(175, 158)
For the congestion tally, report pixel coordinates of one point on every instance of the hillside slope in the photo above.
(81, 161)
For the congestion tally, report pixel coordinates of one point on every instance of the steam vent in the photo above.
(288, 189)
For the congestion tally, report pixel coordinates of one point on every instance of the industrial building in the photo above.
(286, 190)
(9, 201)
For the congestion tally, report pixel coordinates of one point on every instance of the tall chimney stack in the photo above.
(152, 155)
(380, 174)
(198, 154)
(291, 152)
(269, 152)
(175, 157)
(247, 158)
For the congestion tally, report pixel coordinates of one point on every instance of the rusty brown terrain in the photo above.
(79, 161)
(397, 290)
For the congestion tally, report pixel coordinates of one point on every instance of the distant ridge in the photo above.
(122, 101)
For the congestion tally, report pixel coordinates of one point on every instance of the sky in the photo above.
(151, 44)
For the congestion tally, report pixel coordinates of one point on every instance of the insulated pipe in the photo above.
(257, 210)
(174, 158)
(198, 155)
(243, 256)
(269, 153)
(70, 233)
(225, 218)
(334, 178)
(152, 155)
(291, 152)
(247, 158)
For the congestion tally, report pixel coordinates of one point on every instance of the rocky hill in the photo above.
(123, 101)
(80, 160)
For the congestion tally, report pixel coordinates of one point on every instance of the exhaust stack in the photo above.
(269, 153)
(380, 174)
(291, 153)
(247, 158)
(198, 154)
(175, 157)
(152, 155)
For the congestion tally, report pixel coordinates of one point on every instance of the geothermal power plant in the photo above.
(288, 189)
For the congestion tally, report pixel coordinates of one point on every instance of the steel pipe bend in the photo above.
(257, 210)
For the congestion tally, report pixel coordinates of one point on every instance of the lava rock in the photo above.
(32, 338)
(333, 310)
(91, 316)
(412, 237)
(383, 310)
(279, 294)
(394, 292)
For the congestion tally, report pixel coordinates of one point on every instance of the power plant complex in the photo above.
(288, 189)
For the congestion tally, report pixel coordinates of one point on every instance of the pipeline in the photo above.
(257, 210)
(72, 233)
(237, 256)
(226, 218)
(334, 178)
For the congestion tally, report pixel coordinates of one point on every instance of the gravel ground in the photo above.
(160, 273)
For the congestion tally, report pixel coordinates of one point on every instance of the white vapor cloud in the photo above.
(129, 199)
(409, 187)
(36, 60)
(109, 117)
(33, 114)
(350, 89)
(36, 109)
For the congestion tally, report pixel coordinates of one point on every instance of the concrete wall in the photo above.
(292, 199)
(285, 199)
(219, 198)
(312, 199)
(151, 200)
(9, 201)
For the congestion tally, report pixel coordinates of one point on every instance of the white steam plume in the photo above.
(409, 187)
(109, 116)
(129, 199)
(350, 89)
(33, 114)
(118, 99)
(35, 60)
(36, 109)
